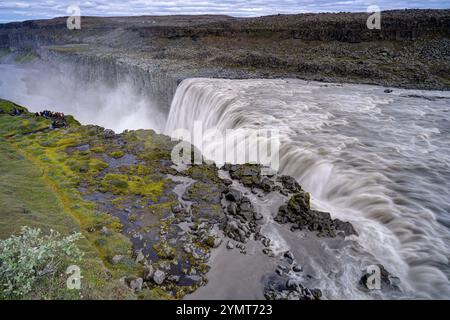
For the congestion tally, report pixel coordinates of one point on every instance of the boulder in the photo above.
(232, 208)
(234, 195)
(109, 134)
(139, 256)
(148, 272)
(289, 256)
(136, 284)
(159, 277)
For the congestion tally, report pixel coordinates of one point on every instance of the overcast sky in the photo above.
(38, 9)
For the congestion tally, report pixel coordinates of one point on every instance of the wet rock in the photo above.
(346, 227)
(139, 256)
(177, 208)
(387, 280)
(289, 183)
(203, 192)
(136, 284)
(159, 277)
(266, 242)
(291, 290)
(296, 268)
(281, 269)
(234, 195)
(257, 216)
(174, 278)
(217, 242)
(289, 256)
(267, 185)
(293, 284)
(232, 209)
(268, 252)
(247, 174)
(148, 272)
(227, 182)
(299, 214)
(388, 91)
(246, 205)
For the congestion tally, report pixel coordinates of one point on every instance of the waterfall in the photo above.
(367, 157)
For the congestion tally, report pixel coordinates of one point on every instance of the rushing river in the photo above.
(380, 160)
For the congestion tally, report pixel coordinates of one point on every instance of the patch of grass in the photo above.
(7, 107)
(38, 189)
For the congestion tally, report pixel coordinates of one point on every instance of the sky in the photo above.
(20, 10)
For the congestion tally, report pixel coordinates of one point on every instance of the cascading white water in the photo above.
(378, 160)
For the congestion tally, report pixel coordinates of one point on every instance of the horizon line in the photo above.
(220, 15)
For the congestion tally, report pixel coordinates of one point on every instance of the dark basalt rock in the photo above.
(387, 280)
(290, 183)
(299, 213)
(234, 195)
(289, 289)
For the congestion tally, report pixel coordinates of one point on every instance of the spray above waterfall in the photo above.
(378, 160)
(119, 106)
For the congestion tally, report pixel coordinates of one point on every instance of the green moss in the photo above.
(98, 149)
(7, 107)
(97, 165)
(53, 200)
(117, 154)
(115, 183)
(68, 142)
(164, 250)
(205, 173)
(121, 184)
(27, 198)
(300, 202)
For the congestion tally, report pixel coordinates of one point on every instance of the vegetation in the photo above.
(29, 256)
(38, 188)
(112, 190)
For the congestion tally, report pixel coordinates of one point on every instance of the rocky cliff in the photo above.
(150, 228)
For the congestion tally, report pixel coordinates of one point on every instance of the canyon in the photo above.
(363, 121)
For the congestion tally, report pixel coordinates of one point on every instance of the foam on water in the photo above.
(381, 161)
